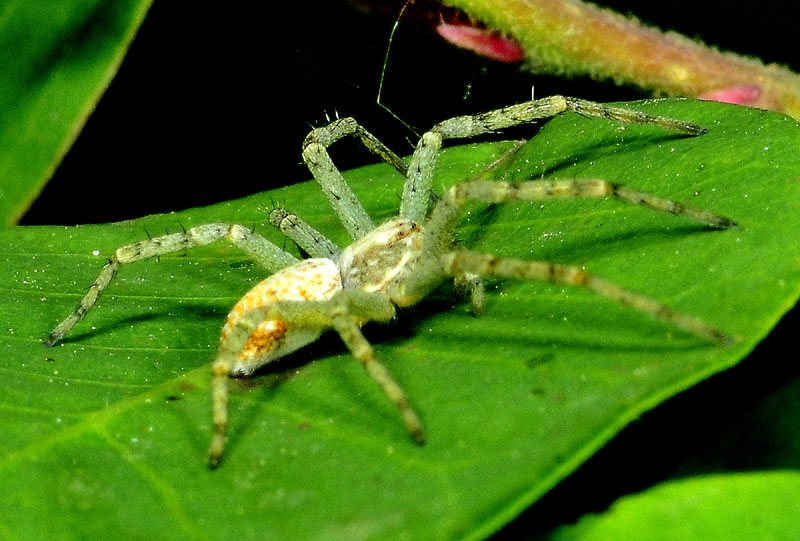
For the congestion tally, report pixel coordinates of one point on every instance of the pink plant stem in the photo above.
(576, 38)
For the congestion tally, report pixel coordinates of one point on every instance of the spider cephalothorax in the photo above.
(383, 259)
(395, 264)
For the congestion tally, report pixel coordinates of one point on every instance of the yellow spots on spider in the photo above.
(311, 279)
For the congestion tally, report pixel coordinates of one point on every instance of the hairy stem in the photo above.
(573, 38)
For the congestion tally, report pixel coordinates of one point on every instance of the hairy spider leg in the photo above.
(438, 232)
(417, 190)
(417, 198)
(351, 212)
(313, 242)
(345, 311)
(267, 254)
(521, 113)
(545, 271)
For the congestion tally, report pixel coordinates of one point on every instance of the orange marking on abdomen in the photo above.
(264, 339)
(311, 279)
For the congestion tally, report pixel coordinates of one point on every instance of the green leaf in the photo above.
(58, 58)
(109, 431)
(762, 505)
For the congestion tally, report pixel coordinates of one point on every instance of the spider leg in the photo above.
(543, 271)
(344, 202)
(344, 312)
(538, 190)
(304, 235)
(521, 113)
(260, 249)
(439, 228)
(439, 260)
(472, 284)
(417, 189)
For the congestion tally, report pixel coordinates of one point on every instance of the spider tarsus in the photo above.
(217, 447)
(660, 204)
(722, 338)
(61, 330)
(726, 223)
(686, 127)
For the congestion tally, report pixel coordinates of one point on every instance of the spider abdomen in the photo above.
(311, 279)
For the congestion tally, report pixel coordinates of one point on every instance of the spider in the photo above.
(395, 264)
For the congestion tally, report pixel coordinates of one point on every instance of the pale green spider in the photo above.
(395, 264)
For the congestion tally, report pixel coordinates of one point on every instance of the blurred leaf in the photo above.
(763, 505)
(57, 60)
(109, 431)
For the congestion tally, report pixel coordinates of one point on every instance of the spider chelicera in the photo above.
(395, 264)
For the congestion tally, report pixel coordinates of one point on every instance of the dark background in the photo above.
(210, 105)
